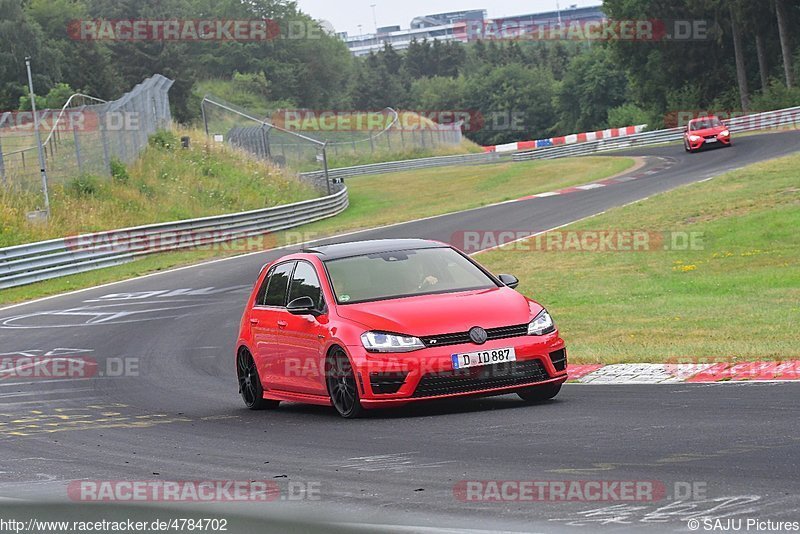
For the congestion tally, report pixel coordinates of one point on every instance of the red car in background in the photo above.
(380, 323)
(705, 131)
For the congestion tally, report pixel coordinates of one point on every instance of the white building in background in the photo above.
(441, 27)
(462, 26)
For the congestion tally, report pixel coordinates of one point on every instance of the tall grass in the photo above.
(167, 183)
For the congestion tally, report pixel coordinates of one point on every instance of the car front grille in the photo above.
(387, 383)
(460, 338)
(559, 359)
(501, 375)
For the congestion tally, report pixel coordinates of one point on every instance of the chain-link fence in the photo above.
(82, 138)
(305, 140)
(406, 132)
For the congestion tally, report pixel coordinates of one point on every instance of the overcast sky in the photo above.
(346, 15)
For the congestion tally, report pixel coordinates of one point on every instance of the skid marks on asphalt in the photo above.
(90, 417)
(395, 463)
(124, 308)
(679, 511)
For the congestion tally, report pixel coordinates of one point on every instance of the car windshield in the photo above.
(404, 273)
(704, 124)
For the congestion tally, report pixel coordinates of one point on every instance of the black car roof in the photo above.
(377, 246)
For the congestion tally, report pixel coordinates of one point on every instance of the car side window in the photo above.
(305, 283)
(278, 285)
(262, 290)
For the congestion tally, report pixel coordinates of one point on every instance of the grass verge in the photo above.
(735, 298)
(374, 201)
(166, 184)
(403, 196)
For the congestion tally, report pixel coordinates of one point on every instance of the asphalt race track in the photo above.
(736, 446)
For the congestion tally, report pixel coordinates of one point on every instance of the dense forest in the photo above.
(748, 61)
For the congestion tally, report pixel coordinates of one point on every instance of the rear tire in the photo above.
(539, 393)
(342, 387)
(250, 387)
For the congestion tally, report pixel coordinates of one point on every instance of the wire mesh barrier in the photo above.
(404, 132)
(84, 137)
(309, 142)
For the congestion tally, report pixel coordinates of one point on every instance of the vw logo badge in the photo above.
(478, 335)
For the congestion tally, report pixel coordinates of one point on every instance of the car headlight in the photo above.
(694, 138)
(383, 342)
(543, 324)
(724, 133)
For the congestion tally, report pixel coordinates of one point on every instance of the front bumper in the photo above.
(392, 379)
(701, 143)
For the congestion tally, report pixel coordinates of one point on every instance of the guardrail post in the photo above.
(2, 166)
(77, 149)
(104, 140)
(325, 166)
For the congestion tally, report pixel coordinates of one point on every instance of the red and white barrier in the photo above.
(670, 373)
(567, 139)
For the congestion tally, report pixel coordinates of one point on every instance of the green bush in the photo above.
(251, 82)
(626, 115)
(164, 140)
(776, 96)
(87, 185)
(119, 172)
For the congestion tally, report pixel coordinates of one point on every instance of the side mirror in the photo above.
(302, 306)
(510, 280)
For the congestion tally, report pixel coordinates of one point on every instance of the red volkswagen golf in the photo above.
(380, 323)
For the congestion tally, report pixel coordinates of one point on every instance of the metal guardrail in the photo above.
(34, 262)
(404, 165)
(756, 121)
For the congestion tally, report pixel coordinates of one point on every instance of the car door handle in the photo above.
(283, 324)
(253, 321)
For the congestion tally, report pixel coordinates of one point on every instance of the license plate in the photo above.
(483, 357)
(712, 140)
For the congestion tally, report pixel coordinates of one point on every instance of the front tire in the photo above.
(342, 387)
(250, 387)
(539, 393)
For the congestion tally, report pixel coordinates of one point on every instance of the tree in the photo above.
(515, 101)
(741, 69)
(593, 84)
(22, 37)
(786, 47)
(376, 87)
